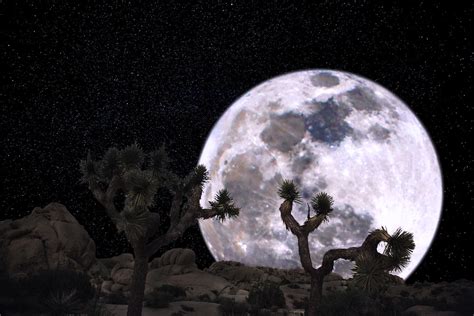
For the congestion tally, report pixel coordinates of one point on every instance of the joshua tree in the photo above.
(138, 176)
(372, 267)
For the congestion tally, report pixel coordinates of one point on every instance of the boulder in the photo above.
(175, 261)
(199, 285)
(48, 238)
(123, 276)
(106, 287)
(120, 274)
(116, 287)
(239, 296)
(110, 263)
(245, 277)
(238, 274)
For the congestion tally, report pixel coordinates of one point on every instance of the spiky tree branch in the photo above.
(138, 176)
(222, 208)
(369, 262)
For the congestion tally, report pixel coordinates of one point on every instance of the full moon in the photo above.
(328, 131)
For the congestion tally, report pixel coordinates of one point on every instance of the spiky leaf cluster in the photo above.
(132, 157)
(64, 302)
(289, 191)
(380, 234)
(89, 169)
(134, 223)
(110, 164)
(399, 248)
(159, 161)
(198, 177)
(140, 188)
(369, 274)
(322, 203)
(224, 206)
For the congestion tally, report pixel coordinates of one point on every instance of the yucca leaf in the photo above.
(369, 274)
(64, 302)
(380, 234)
(134, 223)
(110, 163)
(288, 191)
(322, 203)
(140, 188)
(198, 177)
(159, 161)
(224, 206)
(399, 248)
(223, 197)
(132, 157)
(89, 169)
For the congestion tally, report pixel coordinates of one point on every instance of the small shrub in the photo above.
(437, 302)
(351, 302)
(464, 303)
(99, 310)
(301, 304)
(53, 281)
(404, 293)
(161, 297)
(436, 291)
(294, 286)
(158, 299)
(261, 312)
(284, 282)
(204, 298)
(175, 291)
(187, 308)
(116, 298)
(57, 291)
(230, 307)
(266, 295)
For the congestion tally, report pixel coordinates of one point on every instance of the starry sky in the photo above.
(79, 77)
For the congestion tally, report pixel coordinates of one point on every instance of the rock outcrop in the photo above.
(457, 296)
(48, 238)
(198, 285)
(51, 238)
(175, 261)
(245, 277)
(175, 267)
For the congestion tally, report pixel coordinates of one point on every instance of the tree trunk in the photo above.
(137, 289)
(316, 293)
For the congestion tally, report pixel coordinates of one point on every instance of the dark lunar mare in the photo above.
(327, 124)
(324, 79)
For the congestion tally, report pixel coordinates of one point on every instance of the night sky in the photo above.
(85, 77)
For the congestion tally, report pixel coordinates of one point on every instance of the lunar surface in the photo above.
(328, 131)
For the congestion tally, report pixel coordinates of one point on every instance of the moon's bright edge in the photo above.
(329, 131)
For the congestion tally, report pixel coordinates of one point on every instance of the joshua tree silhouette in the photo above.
(138, 176)
(371, 267)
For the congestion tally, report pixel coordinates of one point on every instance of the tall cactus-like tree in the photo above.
(138, 176)
(371, 267)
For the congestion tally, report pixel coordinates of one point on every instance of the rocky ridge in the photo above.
(50, 238)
